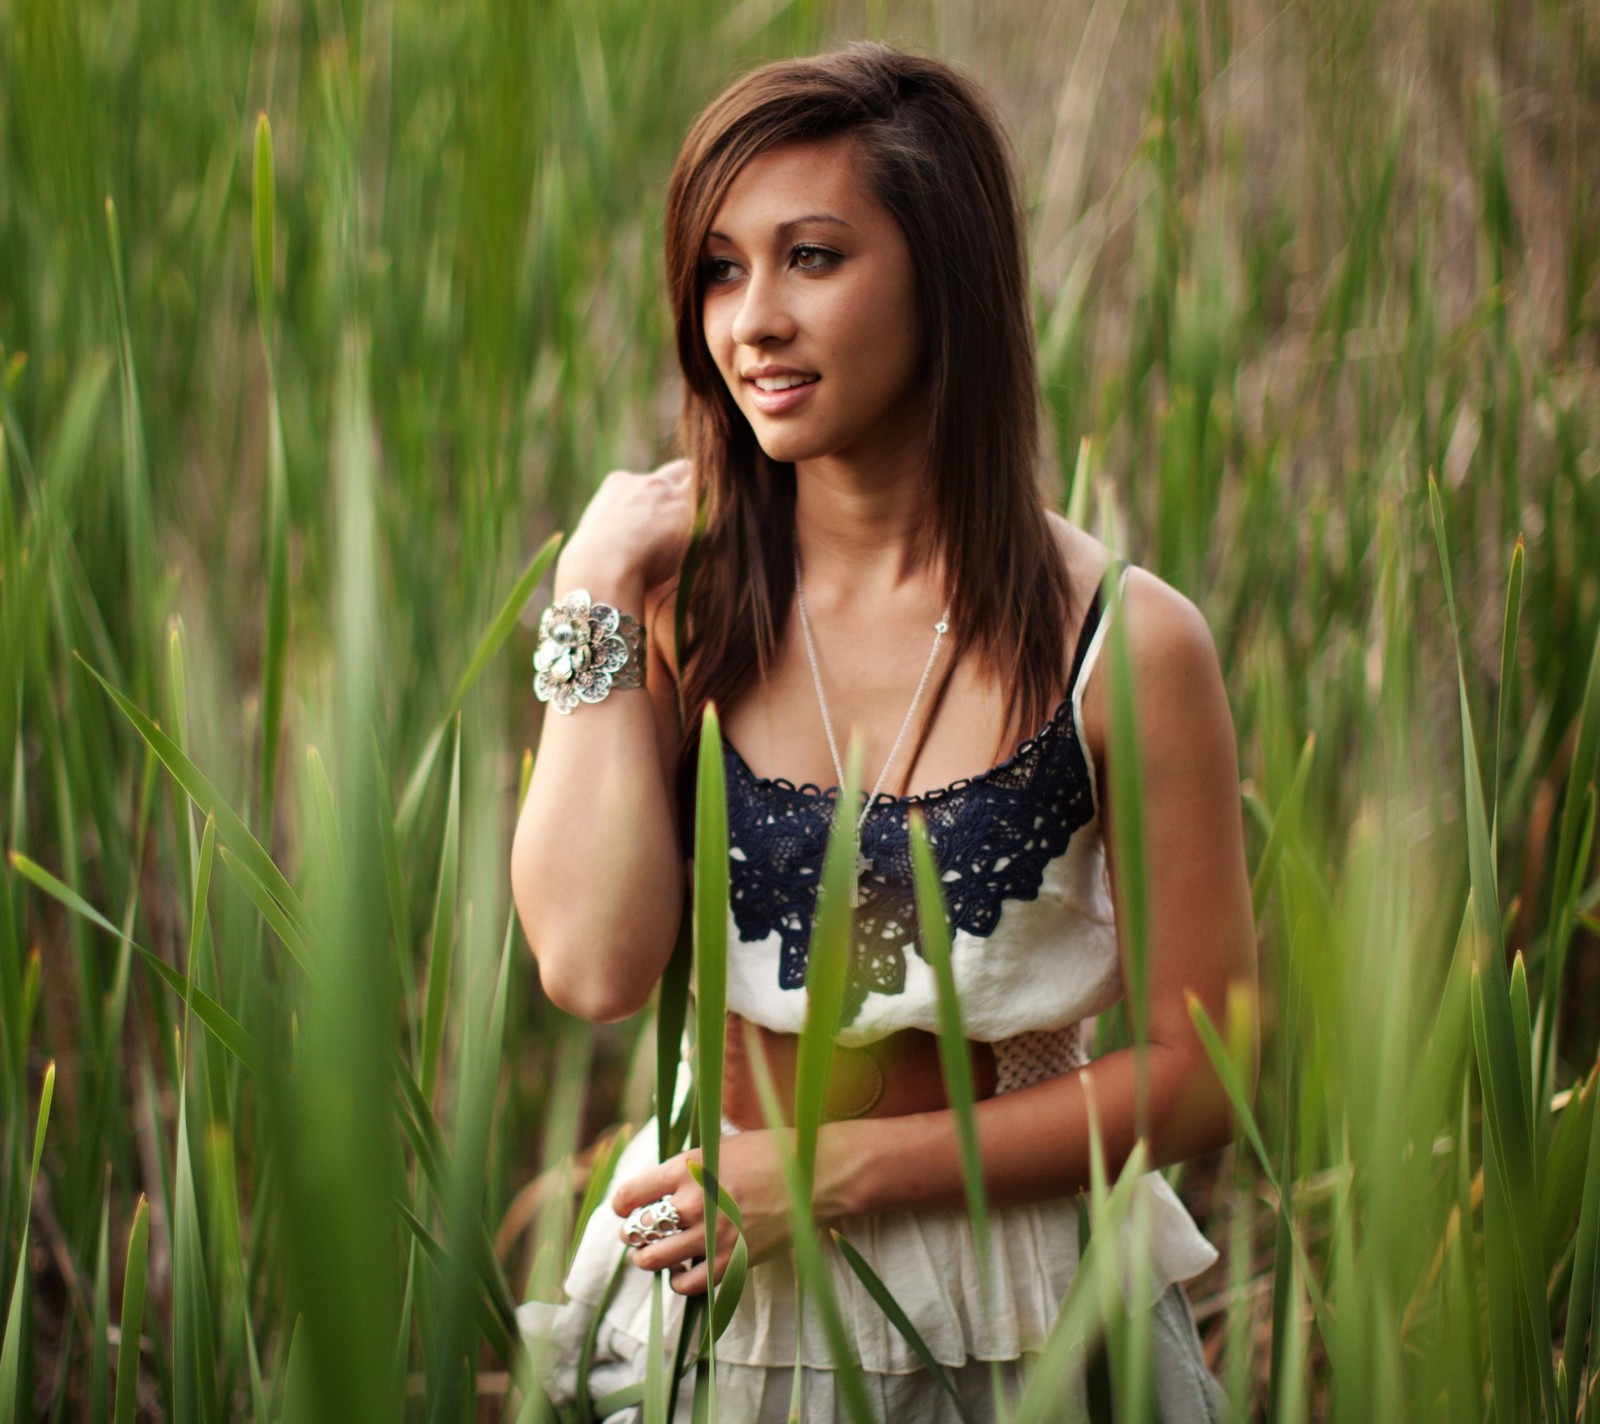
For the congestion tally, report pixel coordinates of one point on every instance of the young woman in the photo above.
(846, 261)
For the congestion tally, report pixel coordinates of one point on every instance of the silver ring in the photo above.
(655, 1221)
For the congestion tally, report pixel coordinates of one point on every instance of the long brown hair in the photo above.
(934, 154)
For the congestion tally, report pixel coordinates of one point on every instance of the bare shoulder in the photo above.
(1168, 636)
(1086, 558)
(1176, 671)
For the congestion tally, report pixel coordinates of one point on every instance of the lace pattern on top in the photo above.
(992, 836)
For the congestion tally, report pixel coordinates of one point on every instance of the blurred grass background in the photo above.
(272, 470)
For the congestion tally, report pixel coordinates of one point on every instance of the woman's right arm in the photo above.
(596, 867)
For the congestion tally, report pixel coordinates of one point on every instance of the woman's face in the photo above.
(808, 277)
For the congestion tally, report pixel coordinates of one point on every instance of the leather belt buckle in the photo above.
(891, 1077)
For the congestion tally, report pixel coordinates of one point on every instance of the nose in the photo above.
(763, 316)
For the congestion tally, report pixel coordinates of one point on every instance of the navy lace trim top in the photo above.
(992, 835)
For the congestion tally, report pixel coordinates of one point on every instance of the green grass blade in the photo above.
(687, 1357)
(1288, 811)
(12, 1406)
(1508, 672)
(618, 1400)
(411, 798)
(202, 890)
(490, 643)
(1227, 1072)
(934, 925)
(100, 1321)
(1565, 1175)
(827, 971)
(1568, 868)
(489, 1318)
(1501, 1277)
(194, 1366)
(1511, 1228)
(138, 520)
(658, 1377)
(586, 1410)
(600, 1175)
(393, 875)
(1083, 1311)
(730, 1291)
(899, 1319)
(422, 1131)
(444, 917)
(419, 1124)
(1507, 1107)
(132, 1318)
(275, 644)
(1577, 1343)
(732, 1286)
(815, 1282)
(263, 206)
(1130, 853)
(1480, 852)
(271, 911)
(1522, 1028)
(229, 1032)
(31, 870)
(710, 981)
(672, 1012)
(500, 626)
(327, 815)
(233, 831)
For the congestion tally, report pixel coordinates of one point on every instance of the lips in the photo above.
(780, 402)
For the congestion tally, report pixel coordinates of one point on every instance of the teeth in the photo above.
(782, 383)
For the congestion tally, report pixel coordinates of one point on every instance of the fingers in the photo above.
(670, 1179)
(693, 1280)
(681, 1246)
(682, 1256)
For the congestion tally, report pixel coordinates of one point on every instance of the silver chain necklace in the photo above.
(863, 862)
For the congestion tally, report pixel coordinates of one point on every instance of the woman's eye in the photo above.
(805, 256)
(821, 258)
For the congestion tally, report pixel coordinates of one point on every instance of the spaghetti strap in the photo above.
(1087, 654)
(1093, 635)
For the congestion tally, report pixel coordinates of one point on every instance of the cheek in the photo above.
(889, 320)
(890, 339)
(713, 331)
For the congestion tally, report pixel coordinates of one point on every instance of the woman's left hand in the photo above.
(749, 1171)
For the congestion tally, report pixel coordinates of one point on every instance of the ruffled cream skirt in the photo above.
(928, 1261)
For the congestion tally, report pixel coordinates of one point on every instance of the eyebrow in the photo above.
(785, 228)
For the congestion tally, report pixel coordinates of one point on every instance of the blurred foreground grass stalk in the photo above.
(287, 409)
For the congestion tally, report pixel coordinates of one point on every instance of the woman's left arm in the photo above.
(1034, 1141)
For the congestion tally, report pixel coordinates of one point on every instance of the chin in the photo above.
(787, 452)
(789, 447)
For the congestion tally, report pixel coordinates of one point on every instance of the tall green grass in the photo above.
(317, 321)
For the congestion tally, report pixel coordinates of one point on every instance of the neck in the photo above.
(861, 530)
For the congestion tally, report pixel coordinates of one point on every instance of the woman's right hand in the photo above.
(636, 525)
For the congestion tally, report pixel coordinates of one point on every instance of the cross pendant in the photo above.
(863, 865)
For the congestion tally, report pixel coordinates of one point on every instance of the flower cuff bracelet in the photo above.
(586, 651)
